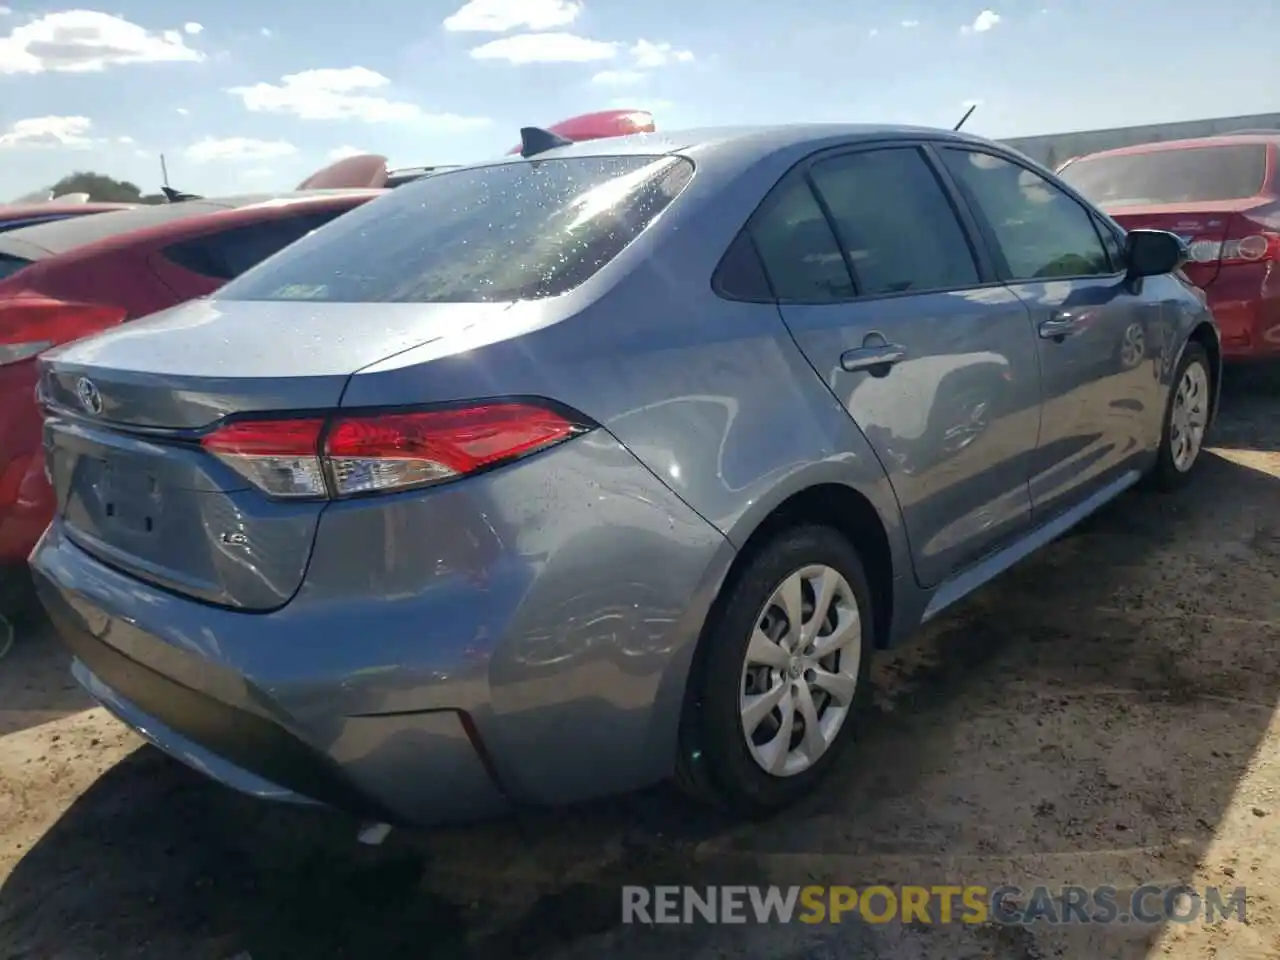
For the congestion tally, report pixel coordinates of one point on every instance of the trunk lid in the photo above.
(125, 410)
(1207, 221)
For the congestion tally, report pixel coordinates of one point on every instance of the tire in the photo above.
(1170, 472)
(716, 761)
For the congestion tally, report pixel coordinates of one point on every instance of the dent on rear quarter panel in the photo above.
(555, 600)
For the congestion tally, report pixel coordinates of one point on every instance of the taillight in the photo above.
(30, 325)
(1253, 248)
(280, 456)
(350, 455)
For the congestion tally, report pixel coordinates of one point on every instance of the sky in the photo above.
(247, 95)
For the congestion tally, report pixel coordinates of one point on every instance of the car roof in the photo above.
(744, 140)
(51, 239)
(1191, 143)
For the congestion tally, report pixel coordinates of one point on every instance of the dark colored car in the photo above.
(606, 463)
(15, 216)
(1222, 196)
(65, 280)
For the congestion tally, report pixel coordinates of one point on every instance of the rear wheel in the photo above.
(1186, 420)
(784, 674)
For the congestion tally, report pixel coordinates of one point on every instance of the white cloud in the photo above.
(343, 94)
(497, 16)
(5, 11)
(341, 153)
(183, 111)
(48, 132)
(124, 139)
(618, 78)
(265, 31)
(237, 148)
(971, 103)
(873, 32)
(193, 28)
(910, 23)
(649, 55)
(546, 48)
(648, 104)
(85, 41)
(982, 22)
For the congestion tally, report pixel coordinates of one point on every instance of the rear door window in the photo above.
(798, 248)
(229, 253)
(1039, 231)
(1191, 175)
(510, 231)
(898, 228)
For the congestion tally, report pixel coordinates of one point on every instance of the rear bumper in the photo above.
(1249, 322)
(225, 728)
(537, 657)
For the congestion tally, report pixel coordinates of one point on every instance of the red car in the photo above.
(65, 280)
(1220, 194)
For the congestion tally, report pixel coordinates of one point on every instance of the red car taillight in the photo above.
(1247, 241)
(30, 325)
(380, 453)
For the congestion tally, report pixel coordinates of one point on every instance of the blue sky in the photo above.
(246, 95)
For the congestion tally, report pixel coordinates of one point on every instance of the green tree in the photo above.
(99, 187)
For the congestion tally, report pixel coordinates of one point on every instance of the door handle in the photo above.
(1059, 326)
(877, 359)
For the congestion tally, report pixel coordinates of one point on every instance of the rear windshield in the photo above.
(513, 231)
(1171, 176)
(11, 265)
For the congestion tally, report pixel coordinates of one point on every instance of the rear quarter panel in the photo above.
(116, 277)
(712, 397)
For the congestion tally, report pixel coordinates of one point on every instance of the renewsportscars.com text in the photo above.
(973, 904)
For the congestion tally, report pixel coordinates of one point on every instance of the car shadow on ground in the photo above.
(1251, 394)
(1085, 720)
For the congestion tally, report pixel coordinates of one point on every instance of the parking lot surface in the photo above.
(1103, 715)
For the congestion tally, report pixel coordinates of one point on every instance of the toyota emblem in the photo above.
(89, 396)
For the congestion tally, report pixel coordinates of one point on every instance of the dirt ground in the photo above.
(1104, 715)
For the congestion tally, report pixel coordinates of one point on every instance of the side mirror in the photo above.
(1150, 253)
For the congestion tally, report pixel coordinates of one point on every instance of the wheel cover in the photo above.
(800, 673)
(1189, 417)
